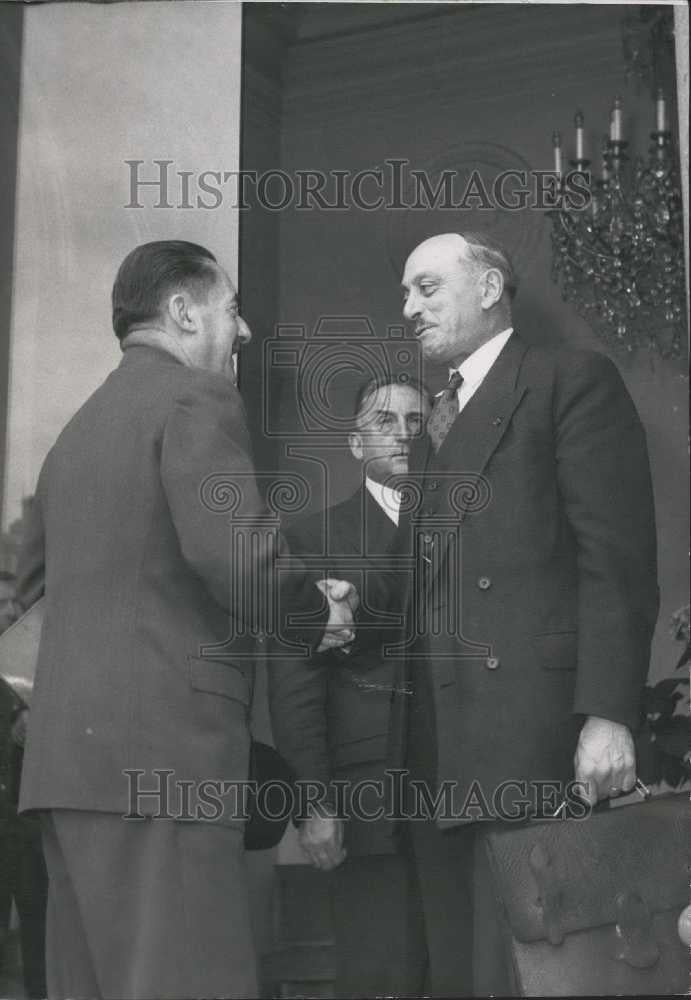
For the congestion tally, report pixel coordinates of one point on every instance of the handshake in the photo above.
(343, 601)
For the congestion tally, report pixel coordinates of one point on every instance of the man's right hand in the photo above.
(321, 839)
(343, 601)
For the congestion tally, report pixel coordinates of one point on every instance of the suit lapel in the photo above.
(476, 434)
(362, 521)
(420, 453)
(380, 529)
(470, 444)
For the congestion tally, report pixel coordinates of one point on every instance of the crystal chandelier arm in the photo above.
(621, 263)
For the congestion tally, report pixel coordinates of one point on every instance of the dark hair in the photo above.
(487, 251)
(151, 271)
(372, 385)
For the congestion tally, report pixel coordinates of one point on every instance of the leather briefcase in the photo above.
(590, 907)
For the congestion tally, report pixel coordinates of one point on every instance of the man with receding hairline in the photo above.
(132, 727)
(553, 580)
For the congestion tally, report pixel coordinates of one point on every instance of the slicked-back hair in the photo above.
(488, 252)
(151, 272)
(368, 389)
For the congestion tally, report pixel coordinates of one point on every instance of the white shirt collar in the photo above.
(388, 499)
(477, 364)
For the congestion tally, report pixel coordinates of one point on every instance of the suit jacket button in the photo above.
(484, 582)
(492, 663)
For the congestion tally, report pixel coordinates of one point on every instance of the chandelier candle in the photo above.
(556, 142)
(579, 121)
(660, 111)
(615, 123)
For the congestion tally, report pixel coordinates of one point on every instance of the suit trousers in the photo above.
(463, 930)
(466, 944)
(23, 879)
(378, 927)
(145, 909)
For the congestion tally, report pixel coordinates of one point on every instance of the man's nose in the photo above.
(411, 306)
(403, 431)
(244, 332)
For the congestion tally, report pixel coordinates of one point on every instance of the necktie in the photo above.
(444, 412)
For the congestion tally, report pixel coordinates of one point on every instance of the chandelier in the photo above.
(618, 252)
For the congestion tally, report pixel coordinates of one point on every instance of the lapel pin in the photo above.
(497, 421)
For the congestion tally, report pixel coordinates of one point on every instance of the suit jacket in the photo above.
(340, 716)
(146, 652)
(537, 558)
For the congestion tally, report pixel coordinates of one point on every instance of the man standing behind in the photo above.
(553, 585)
(349, 727)
(139, 577)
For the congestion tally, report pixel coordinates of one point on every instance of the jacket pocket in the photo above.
(215, 677)
(557, 650)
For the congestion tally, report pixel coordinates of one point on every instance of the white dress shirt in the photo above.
(388, 499)
(476, 366)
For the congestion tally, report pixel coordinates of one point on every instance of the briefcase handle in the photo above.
(639, 789)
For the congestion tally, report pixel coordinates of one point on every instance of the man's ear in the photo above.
(179, 309)
(493, 287)
(355, 445)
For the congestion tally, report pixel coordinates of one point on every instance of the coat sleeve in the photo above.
(226, 533)
(604, 481)
(298, 689)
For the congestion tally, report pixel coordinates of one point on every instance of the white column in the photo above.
(102, 84)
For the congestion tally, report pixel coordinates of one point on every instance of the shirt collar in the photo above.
(388, 499)
(159, 340)
(477, 364)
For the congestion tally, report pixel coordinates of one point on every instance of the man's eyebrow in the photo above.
(387, 413)
(423, 276)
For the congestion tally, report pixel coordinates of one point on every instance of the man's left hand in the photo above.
(321, 839)
(605, 760)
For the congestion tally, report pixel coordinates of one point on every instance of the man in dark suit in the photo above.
(355, 725)
(537, 577)
(145, 669)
